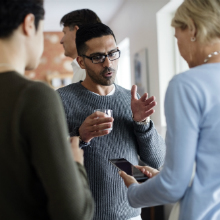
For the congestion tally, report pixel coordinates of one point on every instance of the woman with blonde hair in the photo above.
(192, 109)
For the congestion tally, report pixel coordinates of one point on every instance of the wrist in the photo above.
(82, 143)
(144, 122)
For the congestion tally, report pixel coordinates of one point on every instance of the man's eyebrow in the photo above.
(114, 50)
(99, 53)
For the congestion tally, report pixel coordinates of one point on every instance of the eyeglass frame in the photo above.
(105, 55)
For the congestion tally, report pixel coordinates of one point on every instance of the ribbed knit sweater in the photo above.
(39, 179)
(126, 140)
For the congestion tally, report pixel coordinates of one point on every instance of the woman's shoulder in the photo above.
(195, 75)
(22, 87)
(30, 91)
(39, 89)
(26, 83)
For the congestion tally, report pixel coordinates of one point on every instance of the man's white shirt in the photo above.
(78, 73)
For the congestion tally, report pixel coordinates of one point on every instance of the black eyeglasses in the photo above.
(101, 58)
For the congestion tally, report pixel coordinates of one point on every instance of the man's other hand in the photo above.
(143, 107)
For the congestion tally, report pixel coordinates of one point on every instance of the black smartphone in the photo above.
(126, 166)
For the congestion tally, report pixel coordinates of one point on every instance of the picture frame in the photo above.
(141, 72)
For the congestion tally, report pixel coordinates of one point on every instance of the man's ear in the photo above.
(80, 61)
(28, 25)
(77, 28)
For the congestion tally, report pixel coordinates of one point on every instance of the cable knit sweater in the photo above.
(127, 140)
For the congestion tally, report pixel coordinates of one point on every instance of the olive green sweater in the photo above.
(38, 176)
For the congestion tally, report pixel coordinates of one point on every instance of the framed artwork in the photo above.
(141, 72)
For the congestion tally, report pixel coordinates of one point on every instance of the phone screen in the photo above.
(126, 166)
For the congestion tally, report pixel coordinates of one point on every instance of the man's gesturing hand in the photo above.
(143, 107)
(95, 125)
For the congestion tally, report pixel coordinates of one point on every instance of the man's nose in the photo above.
(61, 41)
(107, 62)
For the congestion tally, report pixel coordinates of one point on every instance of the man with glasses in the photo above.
(132, 134)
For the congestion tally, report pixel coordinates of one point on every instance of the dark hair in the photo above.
(79, 17)
(88, 32)
(13, 12)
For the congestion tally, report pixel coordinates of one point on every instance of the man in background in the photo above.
(132, 134)
(71, 22)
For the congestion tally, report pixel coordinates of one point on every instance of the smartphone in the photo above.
(126, 166)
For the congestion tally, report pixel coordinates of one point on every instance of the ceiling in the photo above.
(55, 9)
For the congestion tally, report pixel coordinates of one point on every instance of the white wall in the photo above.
(56, 9)
(124, 67)
(137, 20)
(167, 50)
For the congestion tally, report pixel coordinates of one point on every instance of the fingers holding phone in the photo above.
(148, 171)
(128, 180)
(129, 173)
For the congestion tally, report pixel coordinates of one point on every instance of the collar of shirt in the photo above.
(75, 65)
(111, 93)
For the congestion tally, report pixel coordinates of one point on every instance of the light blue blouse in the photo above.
(192, 109)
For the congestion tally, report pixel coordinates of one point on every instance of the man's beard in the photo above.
(100, 79)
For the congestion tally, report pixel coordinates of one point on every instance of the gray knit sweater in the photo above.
(126, 140)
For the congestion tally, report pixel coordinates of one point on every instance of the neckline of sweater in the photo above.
(94, 94)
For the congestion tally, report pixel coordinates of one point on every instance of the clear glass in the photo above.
(108, 112)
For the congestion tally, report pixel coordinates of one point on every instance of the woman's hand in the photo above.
(128, 180)
(148, 171)
(76, 151)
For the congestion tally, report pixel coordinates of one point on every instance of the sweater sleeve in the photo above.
(151, 145)
(182, 114)
(64, 181)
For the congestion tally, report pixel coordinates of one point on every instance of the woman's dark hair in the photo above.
(88, 32)
(13, 12)
(79, 17)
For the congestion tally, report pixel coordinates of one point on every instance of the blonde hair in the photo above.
(206, 17)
